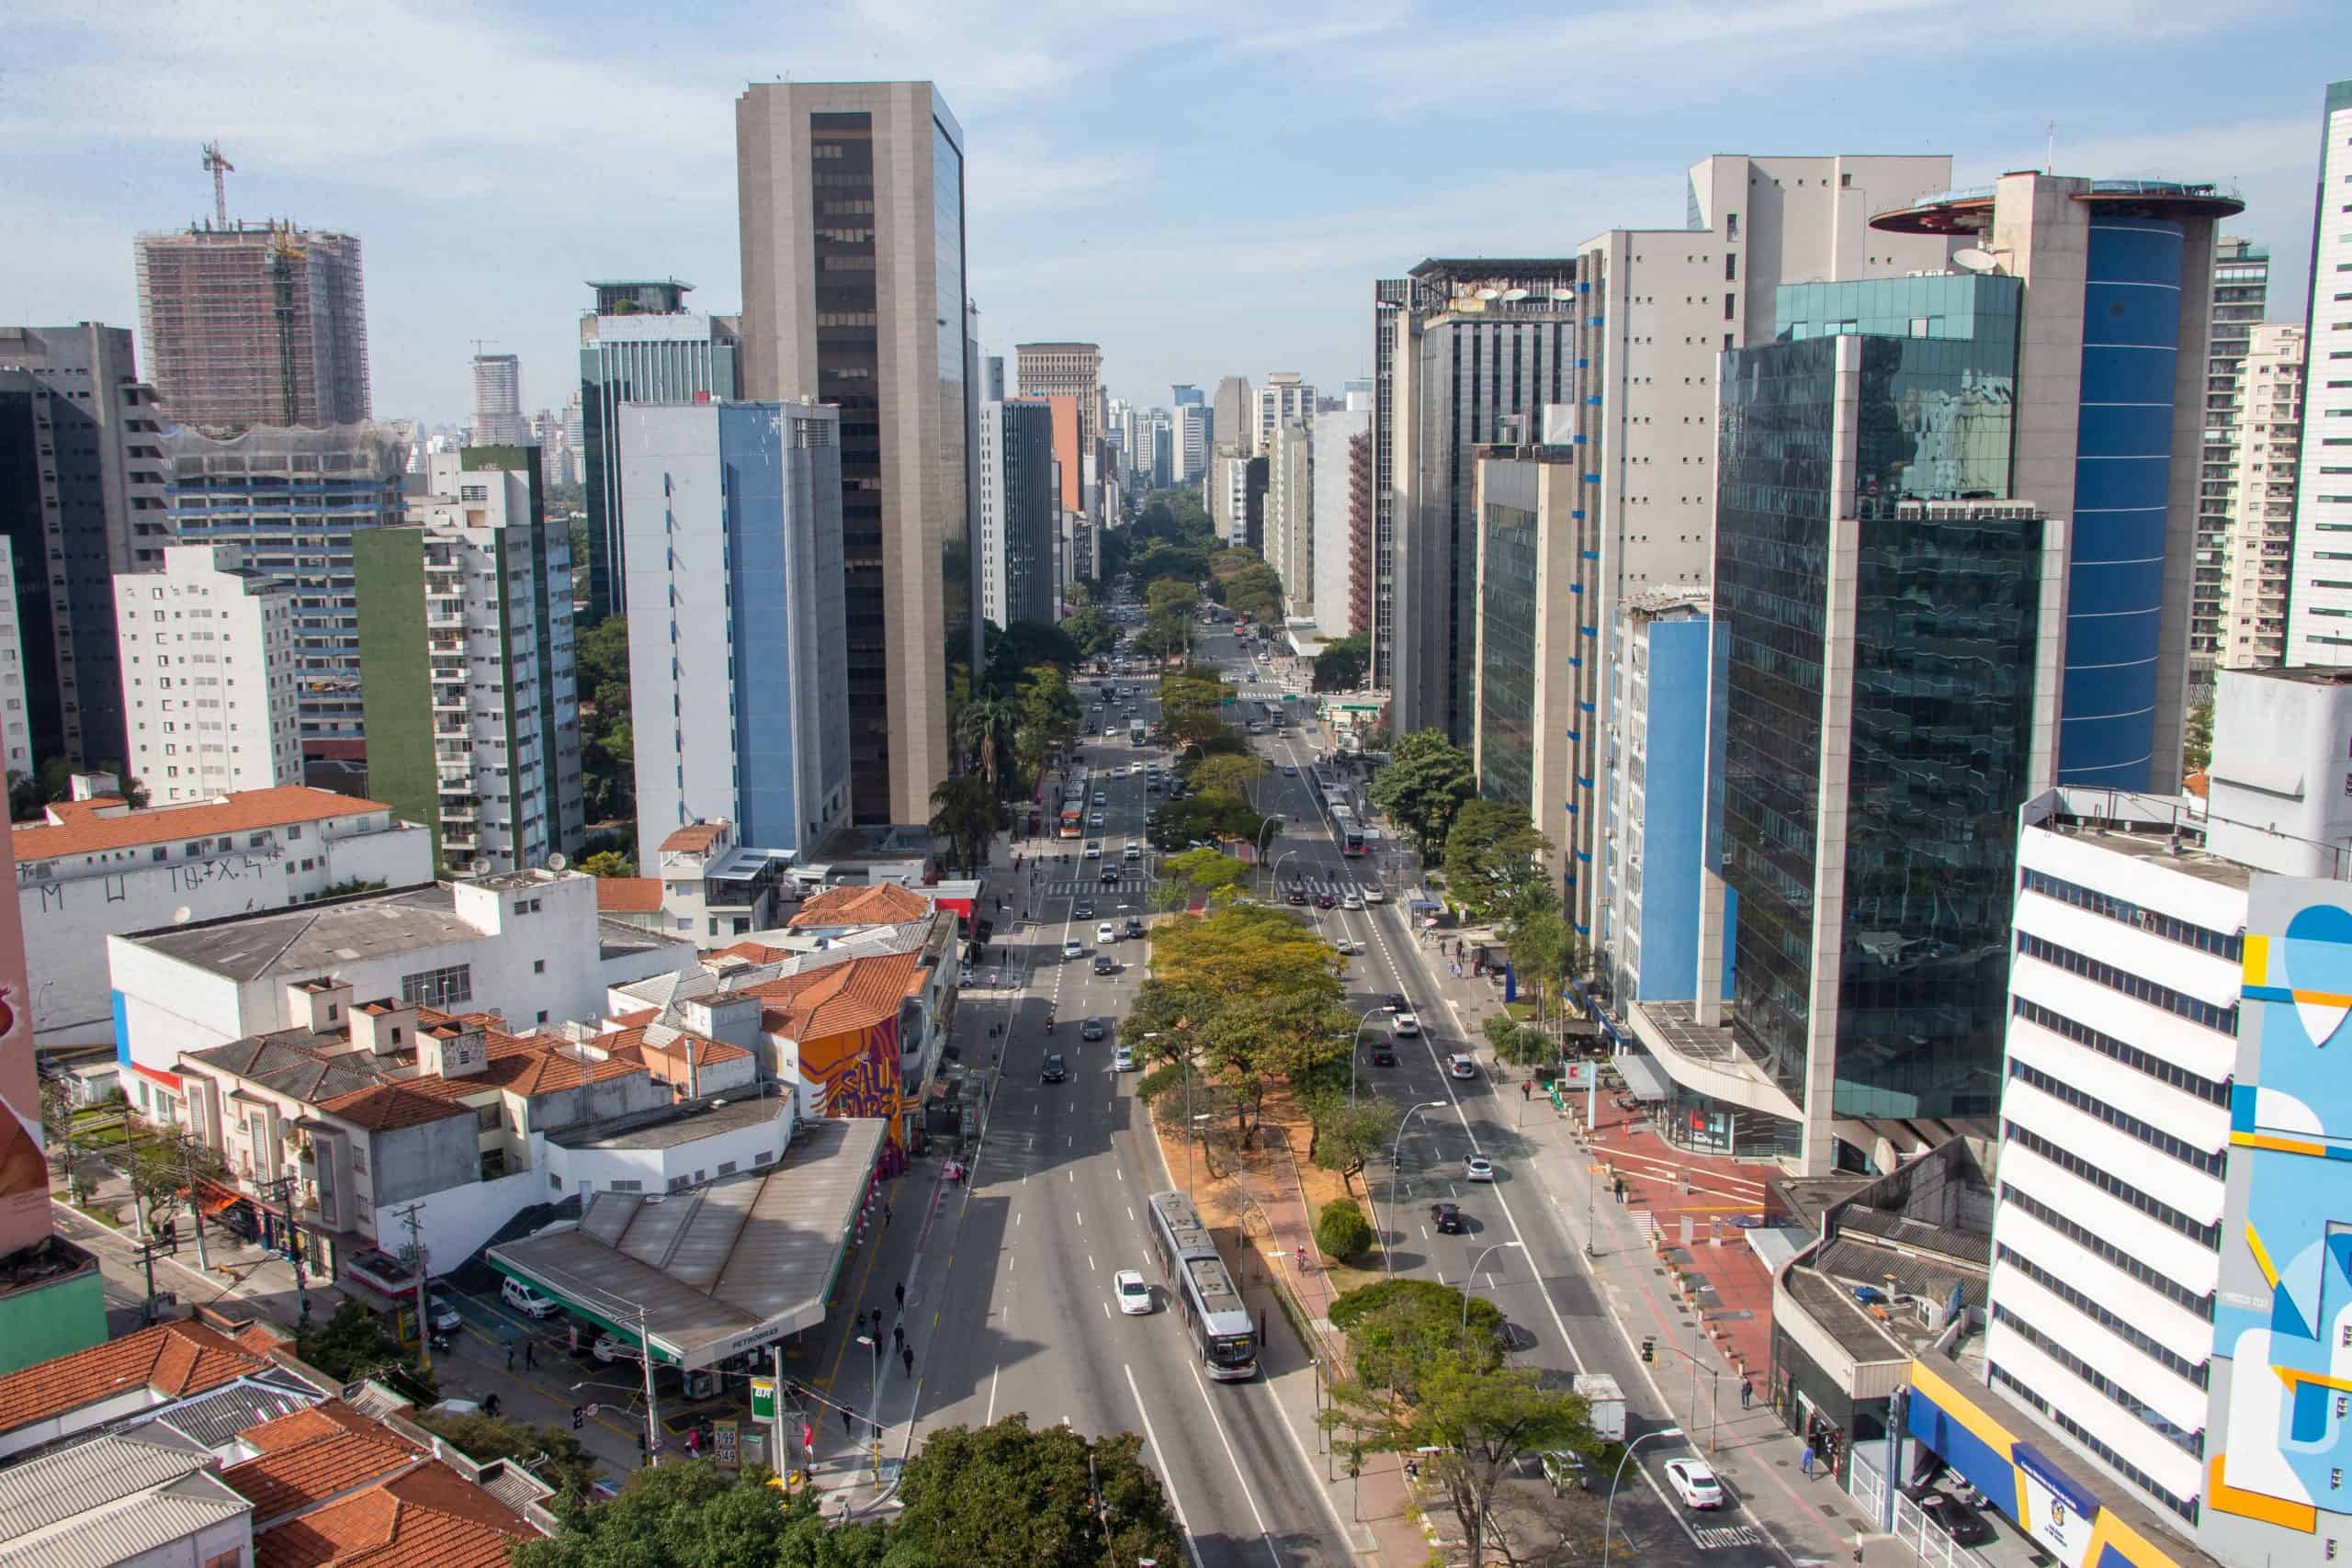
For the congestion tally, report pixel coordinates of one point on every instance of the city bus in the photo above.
(1350, 838)
(1220, 1325)
(1136, 731)
(1073, 822)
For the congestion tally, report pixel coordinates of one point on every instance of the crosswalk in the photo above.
(1129, 883)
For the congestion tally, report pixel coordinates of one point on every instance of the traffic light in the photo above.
(1649, 1349)
(579, 1417)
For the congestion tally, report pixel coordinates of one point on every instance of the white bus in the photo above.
(1134, 732)
(1221, 1331)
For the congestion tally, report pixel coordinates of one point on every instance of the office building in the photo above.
(2109, 432)
(2264, 434)
(870, 317)
(92, 866)
(293, 500)
(1532, 737)
(1648, 925)
(1019, 508)
(1183, 394)
(15, 715)
(207, 676)
(1226, 494)
(1284, 396)
(255, 324)
(1891, 614)
(2240, 289)
(79, 489)
(1334, 492)
(2320, 604)
(465, 665)
(1194, 443)
(640, 344)
(1073, 370)
(498, 402)
(731, 514)
(1069, 473)
(1290, 513)
(1233, 416)
(1468, 353)
(996, 389)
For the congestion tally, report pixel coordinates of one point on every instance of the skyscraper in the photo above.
(640, 344)
(852, 211)
(1192, 442)
(1234, 415)
(733, 510)
(1071, 370)
(1018, 506)
(2264, 434)
(255, 324)
(78, 494)
(1332, 458)
(2320, 601)
(498, 402)
(1285, 395)
(2241, 287)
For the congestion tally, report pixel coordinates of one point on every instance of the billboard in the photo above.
(24, 1167)
(2281, 1372)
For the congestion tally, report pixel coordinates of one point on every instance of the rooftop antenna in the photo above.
(217, 166)
(2050, 148)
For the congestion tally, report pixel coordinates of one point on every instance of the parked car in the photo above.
(524, 1300)
(612, 1347)
(1955, 1518)
(1694, 1482)
(1445, 1219)
(444, 1317)
(1565, 1469)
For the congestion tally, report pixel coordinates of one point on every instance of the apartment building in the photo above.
(2258, 543)
(255, 324)
(2240, 289)
(207, 676)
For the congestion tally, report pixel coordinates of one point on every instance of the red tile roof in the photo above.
(693, 839)
(628, 895)
(755, 953)
(881, 904)
(854, 994)
(430, 1516)
(318, 1454)
(170, 1359)
(77, 826)
(668, 1062)
(388, 1107)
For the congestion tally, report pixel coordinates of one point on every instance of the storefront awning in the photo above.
(1643, 1078)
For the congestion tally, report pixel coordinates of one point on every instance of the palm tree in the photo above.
(965, 814)
(983, 726)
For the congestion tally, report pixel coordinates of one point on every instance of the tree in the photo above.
(965, 813)
(1395, 1326)
(1340, 1230)
(1345, 1136)
(1006, 1496)
(1255, 590)
(1473, 1420)
(1543, 950)
(1426, 782)
(1090, 630)
(555, 1456)
(1022, 647)
(2197, 739)
(159, 1170)
(1518, 1045)
(1340, 666)
(1048, 707)
(985, 726)
(1230, 774)
(1203, 872)
(682, 1516)
(607, 742)
(1171, 594)
(351, 1345)
(608, 863)
(1496, 862)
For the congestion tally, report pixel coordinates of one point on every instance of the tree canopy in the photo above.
(1426, 782)
(1496, 864)
(1006, 1496)
(554, 1456)
(607, 742)
(1340, 666)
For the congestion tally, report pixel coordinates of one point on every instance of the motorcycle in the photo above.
(1050, 1023)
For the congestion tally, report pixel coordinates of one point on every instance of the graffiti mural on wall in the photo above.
(2281, 1377)
(859, 1070)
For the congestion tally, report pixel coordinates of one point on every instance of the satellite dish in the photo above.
(182, 915)
(1490, 294)
(1514, 293)
(556, 861)
(1563, 294)
(1971, 258)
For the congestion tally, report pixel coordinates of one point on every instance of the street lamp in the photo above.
(1274, 880)
(1356, 1055)
(873, 1402)
(1387, 1262)
(1609, 1516)
(1475, 1265)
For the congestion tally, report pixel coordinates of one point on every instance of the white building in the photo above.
(731, 531)
(2258, 549)
(1288, 533)
(528, 946)
(16, 724)
(209, 662)
(2317, 632)
(1226, 493)
(1193, 437)
(716, 889)
(498, 402)
(1285, 395)
(90, 870)
(1337, 489)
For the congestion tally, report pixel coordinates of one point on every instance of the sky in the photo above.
(1202, 190)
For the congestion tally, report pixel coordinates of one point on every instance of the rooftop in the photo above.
(718, 1270)
(168, 1361)
(673, 1124)
(109, 1500)
(94, 827)
(693, 839)
(840, 997)
(628, 895)
(877, 904)
(1969, 210)
(316, 936)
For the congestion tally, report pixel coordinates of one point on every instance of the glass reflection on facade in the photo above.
(1945, 618)
(1506, 655)
(959, 587)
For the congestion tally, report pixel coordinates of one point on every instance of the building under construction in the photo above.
(252, 325)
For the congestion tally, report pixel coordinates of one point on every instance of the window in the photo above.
(538, 965)
(628, 1187)
(486, 1118)
(2224, 1020)
(438, 987)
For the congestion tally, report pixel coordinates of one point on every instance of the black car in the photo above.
(1395, 1002)
(1296, 895)
(1955, 1518)
(1135, 928)
(1083, 910)
(1105, 964)
(1383, 1054)
(1110, 875)
(1055, 1072)
(1326, 901)
(1091, 1029)
(1445, 1219)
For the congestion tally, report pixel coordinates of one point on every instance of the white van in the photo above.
(524, 1300)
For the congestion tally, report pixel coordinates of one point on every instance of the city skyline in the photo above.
(1058, 203)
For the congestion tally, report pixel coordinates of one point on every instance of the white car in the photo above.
(1123, 1059)
(1073, 948)
(1694, 1482)
(1462, 1065)
(1093, 849)
(611, 1347)
(1347, 947)
(524, 1300)
(1407, 1024)
(1134, 1292)
(1352, 901)
(1105, 934)
(1099, 820)
(1374, 895)
(1102, 799)
(1477, 1167)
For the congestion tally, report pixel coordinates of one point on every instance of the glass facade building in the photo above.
(1914, 629)
(1507, 591)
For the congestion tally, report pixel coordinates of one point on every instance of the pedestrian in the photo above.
(1746, 1393)
(530, 1353)
(902, 1295)
(877, 1320)
(849, 1428)
(489, 1404)
(1526, 1089)
(885, 1216)
(907, 1353)
(509, 1355)
(899, 1337)
(1804, 1462)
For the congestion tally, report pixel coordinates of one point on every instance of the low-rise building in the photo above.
(92, 868)
(714, 888)
(529, 947)
(146, 1371)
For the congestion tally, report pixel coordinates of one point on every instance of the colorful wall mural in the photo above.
(859, 1070)
(2280, 1382)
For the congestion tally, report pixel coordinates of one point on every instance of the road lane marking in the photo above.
(1167, 1476)
(1235, 1460)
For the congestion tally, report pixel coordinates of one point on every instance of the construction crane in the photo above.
(217, 166)
(285, 252)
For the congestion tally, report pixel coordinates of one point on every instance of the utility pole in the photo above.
(424, 1317)
(188, 1144)
(131, 1170)
(282, 1189)
(653, 1410)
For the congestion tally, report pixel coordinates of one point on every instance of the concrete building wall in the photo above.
(16, 716)
(1290, 505)
(2249, 628)
(1233, 413)
(1329, 547)
(1655, 828)
(2320, 605)
(207, 676)
(209, 313)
